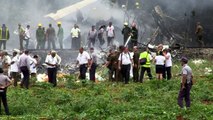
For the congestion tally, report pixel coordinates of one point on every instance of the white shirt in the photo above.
(169, 60)
(110, 31)
(33, 63)
(14, 66)
(125, 58)
(83, 58)
(160, 60)
(27, 33)
(75, 32)
(51, 60)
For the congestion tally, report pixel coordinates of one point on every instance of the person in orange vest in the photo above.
(4, 36)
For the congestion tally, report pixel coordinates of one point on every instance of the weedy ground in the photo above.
(151, 100)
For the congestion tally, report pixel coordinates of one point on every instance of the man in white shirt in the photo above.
(33, 65)
(24, 66)
(168, 64)
(124, 63)
(14, 70)
(27, 36)
(110, 32)
(52, 63)
(93, 65)
(75, 35)
(83, 60)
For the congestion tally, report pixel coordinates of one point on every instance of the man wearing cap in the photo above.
(60, 35)
(92, 37)
(75, 35)
(4, 83)
(40, 37)
(4, 36)
(186, 83)
(52, 64)
(24, 66)
(93, 65)
(50, 37)
(126, 31)
(83, 60)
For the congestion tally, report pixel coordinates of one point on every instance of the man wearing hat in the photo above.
(186, 83)
(60, 35)
(40, 37)
(126, 31)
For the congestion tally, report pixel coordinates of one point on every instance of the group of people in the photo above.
(122, 61)
(43, 36)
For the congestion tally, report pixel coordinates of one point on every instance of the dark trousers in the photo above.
(112, 71)
(91, 41)
(52, 75)
(148, 70)
(3, 96)
(92, 72)
(164, 72)
(168, 73)
(110, 41)
(21, 42)
(101, 40)
(125, 69)
(15, 76)
(185, 93)
(3, 42)
(49, 42)
(76, 43)
(135, 74)
(132, 43)
(83, 70)
(26, 73)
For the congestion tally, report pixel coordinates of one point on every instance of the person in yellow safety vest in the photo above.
(147, 66)
(21, 33)
(4, 36)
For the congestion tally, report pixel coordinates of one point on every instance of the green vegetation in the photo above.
(152, 100)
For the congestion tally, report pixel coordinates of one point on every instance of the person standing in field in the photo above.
(186, 83)
(4, 83)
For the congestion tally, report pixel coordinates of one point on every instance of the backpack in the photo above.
(143, 60)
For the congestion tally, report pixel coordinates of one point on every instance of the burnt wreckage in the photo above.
(163, 33)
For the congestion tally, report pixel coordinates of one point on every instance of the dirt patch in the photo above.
(179, 117)
(207, 102)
